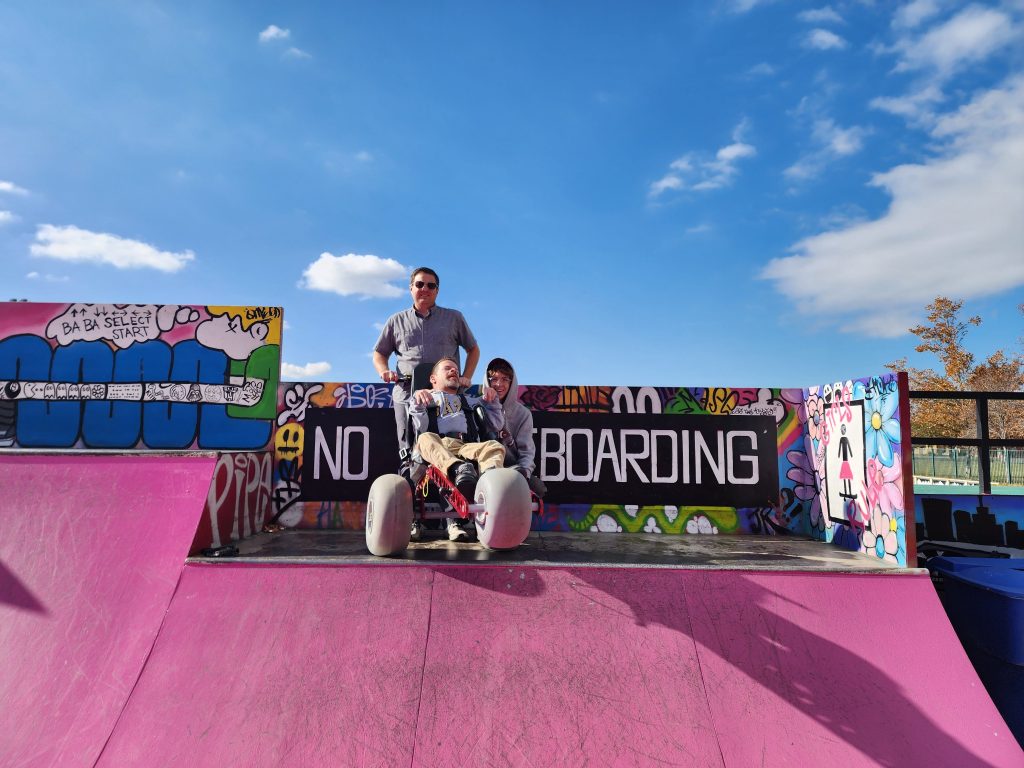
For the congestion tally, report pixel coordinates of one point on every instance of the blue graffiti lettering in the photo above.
(100, 423)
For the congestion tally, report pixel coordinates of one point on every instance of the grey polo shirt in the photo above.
(414, 339)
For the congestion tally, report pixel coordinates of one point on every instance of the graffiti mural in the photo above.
(969, 525)
(138, 376)
(294, 402)
(851, 466)
(238, 502)
(787, 514)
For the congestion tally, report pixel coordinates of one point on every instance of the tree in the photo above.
(1000, 373)
(943, 335)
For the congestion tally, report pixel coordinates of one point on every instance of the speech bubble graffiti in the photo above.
(121, 324)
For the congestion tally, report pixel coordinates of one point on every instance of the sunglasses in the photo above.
(421, 284)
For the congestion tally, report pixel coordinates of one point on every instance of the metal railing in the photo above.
(1006, 465)
(978, 459)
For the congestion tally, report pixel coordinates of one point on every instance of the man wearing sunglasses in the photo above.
(424, 333)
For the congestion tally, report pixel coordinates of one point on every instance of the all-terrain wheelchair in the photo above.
(502, 506)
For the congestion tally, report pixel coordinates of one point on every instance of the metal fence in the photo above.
(1006, 465)
(981, 455)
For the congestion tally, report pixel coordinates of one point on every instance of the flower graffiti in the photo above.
(884, 493)
(807, 487)
(881, 428)
(815, 409)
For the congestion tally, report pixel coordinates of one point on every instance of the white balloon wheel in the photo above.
(388, 515)
(505, 521)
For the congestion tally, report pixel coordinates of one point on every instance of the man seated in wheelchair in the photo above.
(448, 436)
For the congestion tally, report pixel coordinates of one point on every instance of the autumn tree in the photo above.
(1000, 373)
(943, 335)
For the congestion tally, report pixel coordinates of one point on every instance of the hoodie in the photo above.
(516, 433)
(450, 416)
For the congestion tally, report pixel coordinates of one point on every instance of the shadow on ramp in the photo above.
(14, 593)
(819, 669)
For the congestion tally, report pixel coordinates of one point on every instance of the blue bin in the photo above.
(946, 564)
(984, 598)
(985, 601)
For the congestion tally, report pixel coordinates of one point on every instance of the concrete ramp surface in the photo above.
(91, 548)
(505, 666)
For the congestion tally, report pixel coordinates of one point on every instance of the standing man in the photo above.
(424, 333)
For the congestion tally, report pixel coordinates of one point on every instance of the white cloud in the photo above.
(915, 12)
(48, 278)
(274, 32)
(699, 229)
(762, 69)
(80, 245)
(839, 141)
(702, 173)
(953, 227)
(831, 141)
(970, 36)
(669, 181)
(10, 188)
(735, 151)
(364, 157)
(843, 216)
(916, 107)
(365, 276)
(824, 40)
(307, 371)
(743, 6)
(826, 15)
(6, 217)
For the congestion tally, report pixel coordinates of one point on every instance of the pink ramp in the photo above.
(282, 666)
(496, 665)
(90, 551)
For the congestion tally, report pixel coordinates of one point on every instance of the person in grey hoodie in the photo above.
(516, 433)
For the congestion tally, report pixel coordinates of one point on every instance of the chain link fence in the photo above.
(961, 464)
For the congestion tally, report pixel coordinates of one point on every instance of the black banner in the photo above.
(344, 450)
(584, 458)
(618, 458)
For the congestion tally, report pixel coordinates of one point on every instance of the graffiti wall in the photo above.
(784, 512)
(969, 525)
(839, 451)
(854, 466)
(238, 502)
(295, 401)
(138, 376)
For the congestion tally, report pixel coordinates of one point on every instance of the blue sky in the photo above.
(734, 193)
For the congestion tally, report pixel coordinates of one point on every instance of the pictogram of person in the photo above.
(845, 471)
